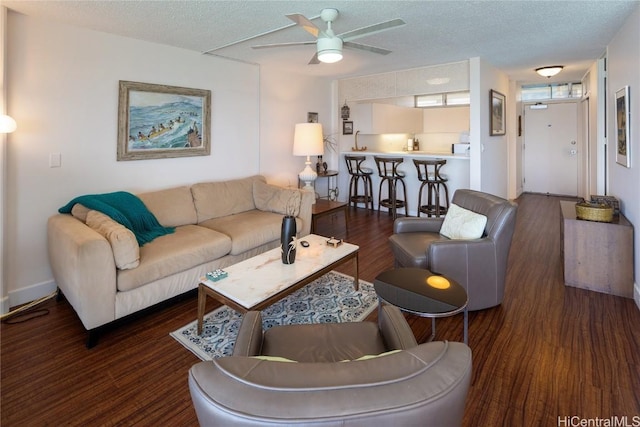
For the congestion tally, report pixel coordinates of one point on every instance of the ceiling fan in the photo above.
(328, 44)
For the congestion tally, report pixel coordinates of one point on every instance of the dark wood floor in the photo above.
(548, 351)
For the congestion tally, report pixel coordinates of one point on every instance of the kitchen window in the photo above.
(450, 99)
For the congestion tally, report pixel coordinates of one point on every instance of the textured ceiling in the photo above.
(514, 36)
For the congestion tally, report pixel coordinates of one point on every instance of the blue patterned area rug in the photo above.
(330, 298)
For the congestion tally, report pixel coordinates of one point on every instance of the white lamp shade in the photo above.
(7, 124)
(307, 140)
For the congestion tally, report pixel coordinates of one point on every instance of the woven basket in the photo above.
(607, 200)
(594, 212)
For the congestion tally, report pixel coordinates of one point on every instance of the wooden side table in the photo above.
(598, 256)
(324, 207)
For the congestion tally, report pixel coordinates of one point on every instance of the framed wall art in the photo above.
(623, 131)
(497, 106)
(347, 127)
(159, 121)
(312, 117)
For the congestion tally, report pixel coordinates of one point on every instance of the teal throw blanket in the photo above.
(126, 209)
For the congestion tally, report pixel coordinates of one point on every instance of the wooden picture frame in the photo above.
(497, 108)
(159, 121)
(347, 127)
(623, 131)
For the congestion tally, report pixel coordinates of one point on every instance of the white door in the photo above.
(551, 149)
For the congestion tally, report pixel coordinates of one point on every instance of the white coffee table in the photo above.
(260, 281)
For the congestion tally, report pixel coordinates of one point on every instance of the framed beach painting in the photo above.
(623, 131)
(497, 107)
(159, 121)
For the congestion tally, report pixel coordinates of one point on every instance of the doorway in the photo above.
(551, 149)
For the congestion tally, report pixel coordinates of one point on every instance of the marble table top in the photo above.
(256, 279)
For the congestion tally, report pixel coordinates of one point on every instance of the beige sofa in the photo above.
(216, 224)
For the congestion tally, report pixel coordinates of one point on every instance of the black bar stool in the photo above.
(389, 174)
(429, 174)
(359, 173)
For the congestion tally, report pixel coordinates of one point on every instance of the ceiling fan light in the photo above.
(549, 71)
(330, 56)
(329, 49)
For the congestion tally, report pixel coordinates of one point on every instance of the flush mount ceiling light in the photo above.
(438, 81)
(549, 71)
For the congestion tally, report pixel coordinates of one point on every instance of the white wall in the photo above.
(623, 56)
(4, 302)
(63, 92)
(284, 101)
(489, 167)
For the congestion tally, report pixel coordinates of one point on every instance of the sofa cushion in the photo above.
(249, 230)
(172, 207)
(271, 198)
(189, 246)
(461, 223)
(220, 199)
(126, 252)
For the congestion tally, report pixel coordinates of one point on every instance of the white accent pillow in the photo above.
(461, 223)
(126, 251)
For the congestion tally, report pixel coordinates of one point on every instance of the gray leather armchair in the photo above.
(422, 385)
(479, 265)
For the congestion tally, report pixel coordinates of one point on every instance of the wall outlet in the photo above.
(55, 160)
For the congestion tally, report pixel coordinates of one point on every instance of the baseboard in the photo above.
(4, 305)
(636, 294)
(31, 293)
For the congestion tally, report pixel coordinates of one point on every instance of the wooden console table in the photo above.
(324, 207)
(598, 256)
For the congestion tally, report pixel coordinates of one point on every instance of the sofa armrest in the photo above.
(249, 340)
(426, 383)
(474, 264)
(307, 200)
(446, 256)
(84, 269)
(395, 330)
(413, 225)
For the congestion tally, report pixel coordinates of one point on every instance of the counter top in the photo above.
(411, 154)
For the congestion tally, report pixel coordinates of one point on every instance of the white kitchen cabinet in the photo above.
(386, 118)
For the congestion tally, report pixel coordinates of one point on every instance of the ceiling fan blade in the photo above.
(366, 47)
(371, 29)
(249, 38)
(306, 24)
(314, 60)
(264, 46)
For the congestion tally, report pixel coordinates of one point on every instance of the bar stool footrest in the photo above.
(432, 210)
(388, 203)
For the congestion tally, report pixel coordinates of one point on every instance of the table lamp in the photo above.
(308, 141)
(7, 124)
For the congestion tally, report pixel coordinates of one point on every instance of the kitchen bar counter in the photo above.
(456, 170)
(409, 154)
